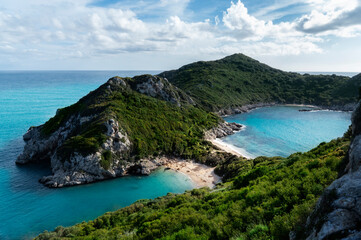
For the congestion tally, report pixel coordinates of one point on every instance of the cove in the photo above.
(283, 130)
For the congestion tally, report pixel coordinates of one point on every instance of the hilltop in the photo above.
(237, 81)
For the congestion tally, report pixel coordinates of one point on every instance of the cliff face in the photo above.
(108, 131)
(338, 212)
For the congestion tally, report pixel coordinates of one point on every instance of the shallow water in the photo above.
(26, 206)
(283, 130)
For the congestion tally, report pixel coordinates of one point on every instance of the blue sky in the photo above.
(293, 35)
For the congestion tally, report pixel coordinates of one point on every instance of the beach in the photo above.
(200, 174)
(230, 148)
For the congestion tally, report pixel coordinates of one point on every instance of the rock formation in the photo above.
(223, 129)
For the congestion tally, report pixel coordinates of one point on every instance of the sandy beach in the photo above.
(299, 105)
(230, 148)
(200, 174)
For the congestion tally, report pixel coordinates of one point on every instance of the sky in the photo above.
(292, 35)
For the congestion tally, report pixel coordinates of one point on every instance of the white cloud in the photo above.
(331, 15)
(67, 29)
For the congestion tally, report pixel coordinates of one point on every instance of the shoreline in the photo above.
(300, 105)
(349, 107)
(230, 148)
(201, 175)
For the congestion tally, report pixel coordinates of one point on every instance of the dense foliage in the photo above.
(263, 198)
(238, 80)
(153, 126)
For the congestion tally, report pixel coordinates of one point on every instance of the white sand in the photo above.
(300, 105)
(200, 174)
(230, 148)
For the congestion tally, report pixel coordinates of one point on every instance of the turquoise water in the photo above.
(27, 207)
(283, 130)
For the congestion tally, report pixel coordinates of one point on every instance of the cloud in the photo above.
(67, 29)
(258, 37)
(331, 15)
(245, 26)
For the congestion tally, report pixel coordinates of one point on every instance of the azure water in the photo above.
(283, 130)
(26, 206)
(30, 98)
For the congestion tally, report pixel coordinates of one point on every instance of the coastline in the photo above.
(224, 129)
(299, 105)
(230, 148)
(349, 107)
(200, 174)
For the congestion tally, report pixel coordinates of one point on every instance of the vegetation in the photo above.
(264, 198)
(239, 80)
(153, 126)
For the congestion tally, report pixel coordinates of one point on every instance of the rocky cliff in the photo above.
(338, 212)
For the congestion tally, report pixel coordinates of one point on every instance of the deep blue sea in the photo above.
(283, 130)
(29, 98)
(26, 206)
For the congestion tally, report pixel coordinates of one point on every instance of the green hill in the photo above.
(240, 80)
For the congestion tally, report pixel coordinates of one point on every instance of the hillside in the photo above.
(238, 80)
(264, 198)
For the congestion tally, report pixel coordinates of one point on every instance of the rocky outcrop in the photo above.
(158, 87)
(39, 148)
(338, 212)
(223, 129)
(78, 168)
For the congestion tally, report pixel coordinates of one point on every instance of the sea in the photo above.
(29, 98)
